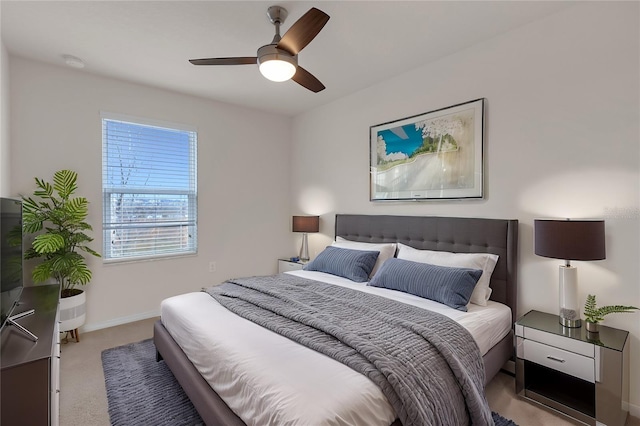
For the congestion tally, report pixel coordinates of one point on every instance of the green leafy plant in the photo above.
(595, 315)
(62, 217)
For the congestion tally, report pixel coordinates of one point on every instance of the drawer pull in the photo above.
(553, 358)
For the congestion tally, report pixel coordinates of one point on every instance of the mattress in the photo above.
(266, 378)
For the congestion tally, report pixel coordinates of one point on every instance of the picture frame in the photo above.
(437, 155)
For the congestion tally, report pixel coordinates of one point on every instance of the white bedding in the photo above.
(268, 379)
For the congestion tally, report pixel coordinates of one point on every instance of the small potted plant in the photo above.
(58, 219)
(593, 315)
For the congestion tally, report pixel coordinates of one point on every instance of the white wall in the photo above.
(4, 122)
(562, 140)
(243, 200)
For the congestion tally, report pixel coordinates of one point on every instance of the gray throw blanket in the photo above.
(428, 366)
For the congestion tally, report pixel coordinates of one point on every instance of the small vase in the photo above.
(592, 327)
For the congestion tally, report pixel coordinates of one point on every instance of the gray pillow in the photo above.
(355, 265)
(449, 286)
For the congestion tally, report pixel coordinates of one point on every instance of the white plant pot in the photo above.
(72, 311)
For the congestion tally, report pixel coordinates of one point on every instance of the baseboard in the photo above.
(634, 410)
(119, 321)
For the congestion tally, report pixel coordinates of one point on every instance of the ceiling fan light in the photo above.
(277, 69)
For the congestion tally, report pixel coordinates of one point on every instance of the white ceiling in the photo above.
(149, 42)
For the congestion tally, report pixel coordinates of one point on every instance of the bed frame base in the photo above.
(213, 409)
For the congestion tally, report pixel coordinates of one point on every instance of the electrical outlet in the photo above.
(212, 266)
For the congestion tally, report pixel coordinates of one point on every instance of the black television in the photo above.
(11, 282)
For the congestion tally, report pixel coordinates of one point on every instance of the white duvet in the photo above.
(267, 379)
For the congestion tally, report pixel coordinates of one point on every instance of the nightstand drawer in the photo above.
(567, 362)
(571, 345)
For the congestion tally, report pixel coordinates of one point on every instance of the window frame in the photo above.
(192, 194)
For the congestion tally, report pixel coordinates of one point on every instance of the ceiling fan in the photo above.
(278, 61)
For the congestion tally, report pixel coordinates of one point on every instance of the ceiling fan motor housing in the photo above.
(270, 52)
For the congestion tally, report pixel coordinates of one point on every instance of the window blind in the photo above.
(149, 187)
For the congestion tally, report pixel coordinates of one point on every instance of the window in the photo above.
(148, 188)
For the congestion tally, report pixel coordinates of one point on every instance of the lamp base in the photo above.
(569, 309)
(304, 249)
(570, 323)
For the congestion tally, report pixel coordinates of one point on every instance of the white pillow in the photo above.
(485, 261)
(386, 250)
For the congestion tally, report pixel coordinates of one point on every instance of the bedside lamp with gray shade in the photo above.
(305, 224)
(569, 240)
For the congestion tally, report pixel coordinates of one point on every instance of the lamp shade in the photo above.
(570, 239)
(306, 224)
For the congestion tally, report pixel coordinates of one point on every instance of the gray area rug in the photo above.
(141, 391)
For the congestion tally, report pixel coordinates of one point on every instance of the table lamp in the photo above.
(305, 224)
(569, 240)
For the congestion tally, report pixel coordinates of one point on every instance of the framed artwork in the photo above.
(432, 156)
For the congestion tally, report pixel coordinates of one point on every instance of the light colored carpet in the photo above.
(83, 399)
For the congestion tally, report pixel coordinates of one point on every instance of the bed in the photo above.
(458, 235)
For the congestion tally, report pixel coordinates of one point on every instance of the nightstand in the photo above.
(582, 375)
(285, 265)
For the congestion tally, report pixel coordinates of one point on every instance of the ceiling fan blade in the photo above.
(243, 60)
(303, 31)
(305, 79)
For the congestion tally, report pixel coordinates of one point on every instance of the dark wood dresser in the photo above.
(30, 371)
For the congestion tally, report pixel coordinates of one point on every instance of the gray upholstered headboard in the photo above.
(454, 234)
